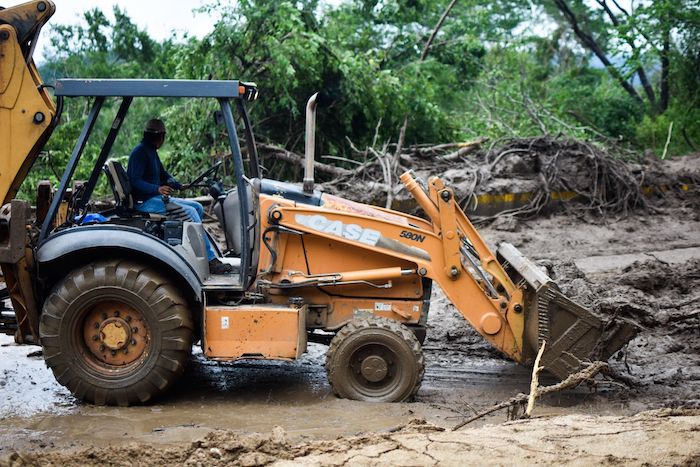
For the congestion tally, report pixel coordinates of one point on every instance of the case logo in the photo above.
(339, 229)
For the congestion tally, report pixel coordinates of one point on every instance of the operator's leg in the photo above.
(188, 202)
(153, 205)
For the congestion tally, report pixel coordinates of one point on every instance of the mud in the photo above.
(658, 438)
(608, 264)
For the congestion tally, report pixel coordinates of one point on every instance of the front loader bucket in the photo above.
(573, 334)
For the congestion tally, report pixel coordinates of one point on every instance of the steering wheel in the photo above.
(210, 172)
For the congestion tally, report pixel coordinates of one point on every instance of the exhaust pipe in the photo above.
(310, 147)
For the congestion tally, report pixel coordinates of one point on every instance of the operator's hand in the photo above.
(165, 190)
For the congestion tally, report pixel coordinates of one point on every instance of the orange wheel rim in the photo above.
(115, 333)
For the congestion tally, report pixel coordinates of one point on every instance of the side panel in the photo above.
(254, 331)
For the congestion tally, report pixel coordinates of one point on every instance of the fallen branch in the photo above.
(571, 381)
(464, 150)
(269, 150)
(534, 383)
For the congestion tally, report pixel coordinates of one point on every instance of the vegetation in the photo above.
(395, 73)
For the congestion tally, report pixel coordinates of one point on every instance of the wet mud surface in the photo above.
(659, 438)
(42, 423)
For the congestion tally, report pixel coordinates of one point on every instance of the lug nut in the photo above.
(116, 313)
(135, 330)
(133, 341)
(518, 308)
(102, 348)
(126, 351)
(128, 319)
(104, 315)
(97, 325)
(95, 337)
(114, 352)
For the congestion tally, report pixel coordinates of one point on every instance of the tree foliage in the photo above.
(494, 68)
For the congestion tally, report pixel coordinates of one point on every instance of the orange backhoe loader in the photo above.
(117, 300)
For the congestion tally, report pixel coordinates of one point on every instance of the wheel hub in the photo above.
(115, 333)
(374, 368)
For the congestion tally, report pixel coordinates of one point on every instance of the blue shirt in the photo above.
(146, 172)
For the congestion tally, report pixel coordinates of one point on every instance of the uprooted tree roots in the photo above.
(600, 180)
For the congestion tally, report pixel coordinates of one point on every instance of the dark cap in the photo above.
(155, 125)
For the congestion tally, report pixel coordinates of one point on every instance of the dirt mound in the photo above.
(216, 448)
(658, 278)
(658, 438)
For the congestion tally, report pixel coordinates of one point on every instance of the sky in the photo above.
(158, 17)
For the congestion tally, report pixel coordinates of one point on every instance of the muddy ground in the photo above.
(645, 267)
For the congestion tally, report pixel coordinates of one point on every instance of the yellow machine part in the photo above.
(26, 108)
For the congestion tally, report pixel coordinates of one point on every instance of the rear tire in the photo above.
(375, 359)
(116, 333)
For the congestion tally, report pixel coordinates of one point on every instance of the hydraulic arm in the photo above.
(27, 113)
(27, 119)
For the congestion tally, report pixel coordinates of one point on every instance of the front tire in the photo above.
(375, 359)
(116, 333)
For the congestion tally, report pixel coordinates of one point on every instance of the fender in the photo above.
(86, 242)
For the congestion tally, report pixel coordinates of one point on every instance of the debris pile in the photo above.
(548, 168)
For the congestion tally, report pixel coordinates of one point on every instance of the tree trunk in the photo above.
(665, 65)
(646, 85)
(591, 44)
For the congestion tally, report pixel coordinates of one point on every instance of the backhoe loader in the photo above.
(116, 301)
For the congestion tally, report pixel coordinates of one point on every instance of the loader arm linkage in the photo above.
(523, 298)
(28, 117)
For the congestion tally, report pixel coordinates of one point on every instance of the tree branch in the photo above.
(590, 43)
(436, 29)
(269, 150)
(571, 381)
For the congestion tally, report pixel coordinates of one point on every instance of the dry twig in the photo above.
(571, 381)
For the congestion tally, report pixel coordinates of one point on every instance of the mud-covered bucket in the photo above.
(574, 334)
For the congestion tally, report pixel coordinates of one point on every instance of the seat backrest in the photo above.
(231, 218)
(119, 182)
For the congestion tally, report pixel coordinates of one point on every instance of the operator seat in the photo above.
(119, 181)
(121, 188)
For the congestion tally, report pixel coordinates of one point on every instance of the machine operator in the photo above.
(150, 183)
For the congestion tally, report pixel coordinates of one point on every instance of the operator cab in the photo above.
(235, 208)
